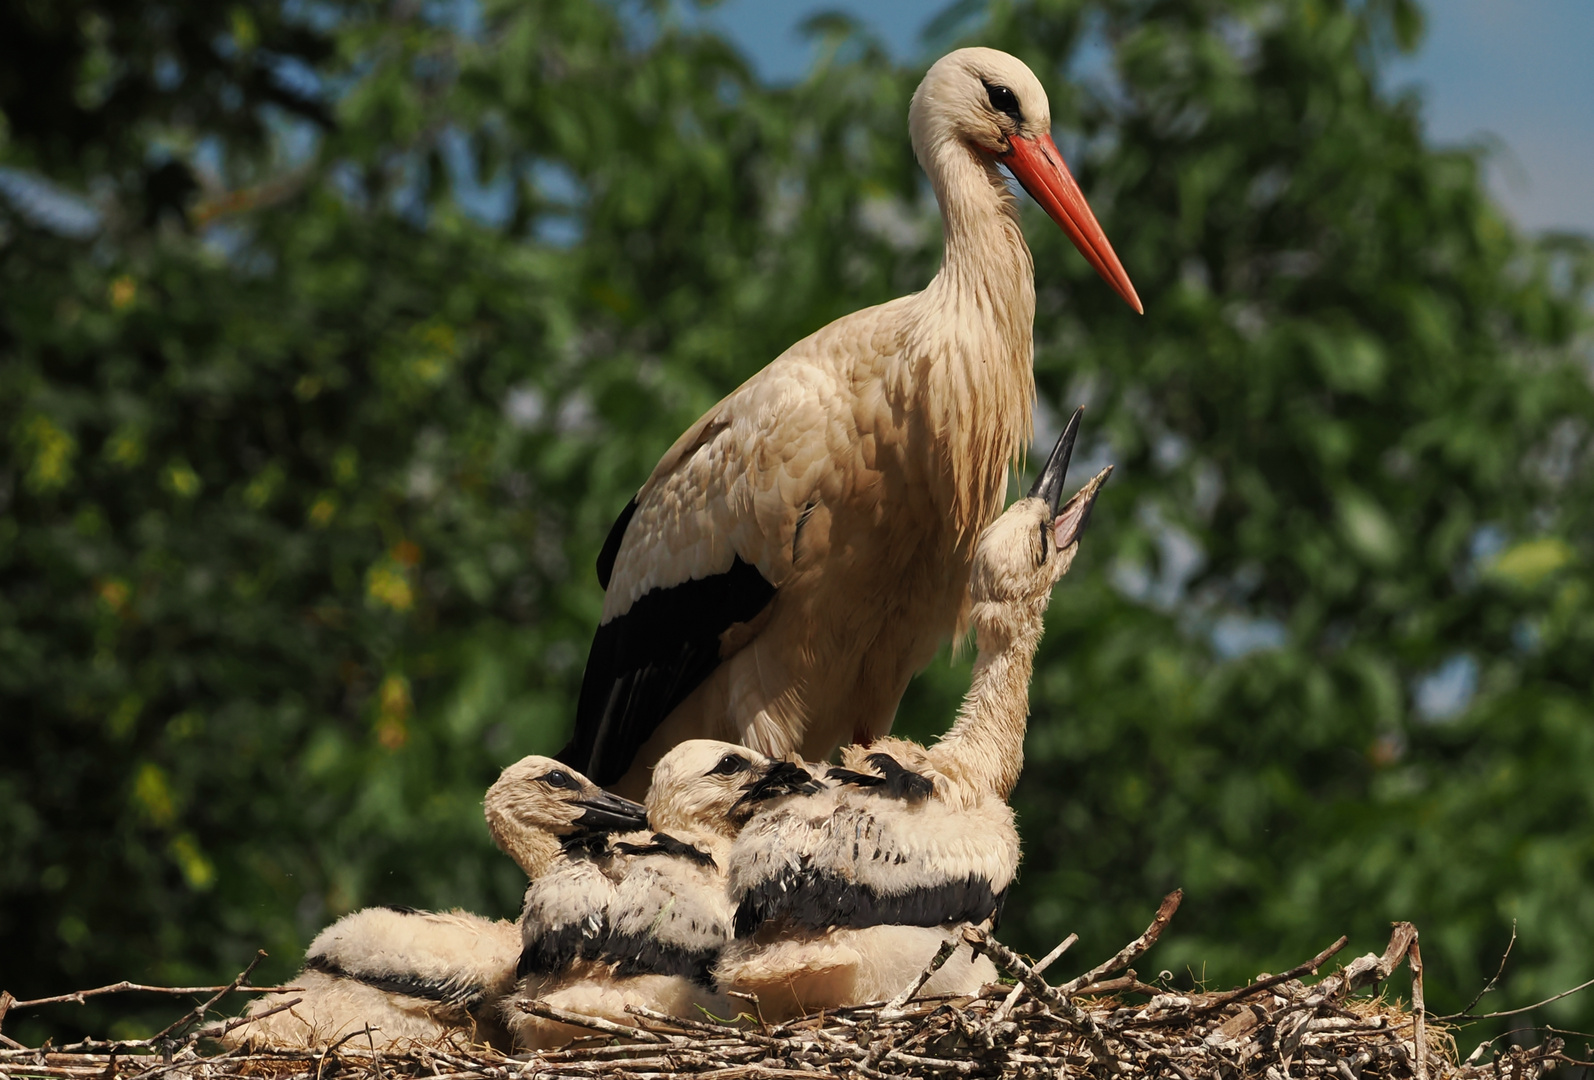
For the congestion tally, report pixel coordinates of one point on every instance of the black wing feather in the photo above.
(665, 844)
(894, 780)
(645, 661)
(810, 899)
(640, 954)
(611, 544)
(447, 991)
(557, 948)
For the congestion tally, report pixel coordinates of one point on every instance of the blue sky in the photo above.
(1516, 73)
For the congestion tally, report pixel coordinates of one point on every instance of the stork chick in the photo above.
(845, 897)
(667, 915)
(417, 977)
(804, 548)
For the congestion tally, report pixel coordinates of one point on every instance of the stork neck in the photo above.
(969, 356)
(986, 268)
(985, 746)
(534, 851)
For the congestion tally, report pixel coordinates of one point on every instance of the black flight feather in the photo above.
(611, 544)
(645, 661)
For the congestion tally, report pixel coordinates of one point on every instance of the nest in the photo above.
(1103, 1024)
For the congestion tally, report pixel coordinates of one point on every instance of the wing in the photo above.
(451, 957)
(564, 917)
(670, 916)
(698, 556)
(872, 861)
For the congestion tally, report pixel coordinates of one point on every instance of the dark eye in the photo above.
(1046, 541)
(730, 765)
(1004, 100)
(559, 779)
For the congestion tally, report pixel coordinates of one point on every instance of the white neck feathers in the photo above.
(984, 750)
(967, 362)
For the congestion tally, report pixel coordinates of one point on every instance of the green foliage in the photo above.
(302, 473)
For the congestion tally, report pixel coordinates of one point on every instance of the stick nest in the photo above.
(1101, 1024)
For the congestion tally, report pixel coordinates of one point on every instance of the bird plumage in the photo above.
(417, 977)
(665, 915)
(804, 547)
(910, 837)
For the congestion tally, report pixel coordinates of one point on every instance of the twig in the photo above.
(1002, 1011)
(1526, 1008)
(1490, 985)
(893, 1007)
(1128, 982)
(1212, 1005)
(80, 996)
(1130, 952)
(608, 1027)
(197, 1013)
(1048, 994)
(1420, 1030)
(216, 1031)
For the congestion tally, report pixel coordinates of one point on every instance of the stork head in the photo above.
(704, 785)
(1030, 547)
(993, 104)
(538, 803)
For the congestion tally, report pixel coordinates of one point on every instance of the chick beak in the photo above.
(604, 813)
(1075, 514)
(1049, 484)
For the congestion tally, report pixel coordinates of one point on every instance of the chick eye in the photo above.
(1004, 100)
(730, 765)
(1046, 542)
(559, 779)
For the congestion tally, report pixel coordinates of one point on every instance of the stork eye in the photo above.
(1004, 100)
(559, 779)
(730, 765)
(1046, 542)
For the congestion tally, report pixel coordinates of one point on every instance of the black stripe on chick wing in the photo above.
(641, 954)
(557, 947)
(645, 661)
(816, 900)
(447, 991)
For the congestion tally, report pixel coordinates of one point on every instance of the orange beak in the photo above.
(1038, 165)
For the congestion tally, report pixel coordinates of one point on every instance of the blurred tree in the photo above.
(332, 339)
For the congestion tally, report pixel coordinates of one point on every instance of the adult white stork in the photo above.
(803, 549)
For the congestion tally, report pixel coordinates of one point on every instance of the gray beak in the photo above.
(604, 813)
(1049, 484)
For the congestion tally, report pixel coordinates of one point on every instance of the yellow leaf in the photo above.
(113, 594)
(53, 451)
(322, 511)
(124, 290)
(388, 586)
(181, 480)
(393, 710)
(197, 870)
(1527, 564)
(153, 795)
